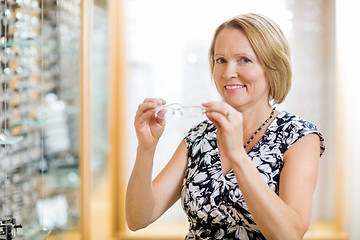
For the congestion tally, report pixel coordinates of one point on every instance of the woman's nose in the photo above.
(230, 71)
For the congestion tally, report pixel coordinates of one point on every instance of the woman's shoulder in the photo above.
(289, 121)
(290, 128)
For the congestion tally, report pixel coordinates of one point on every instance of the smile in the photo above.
(231, 87)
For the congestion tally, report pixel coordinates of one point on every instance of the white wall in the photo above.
(348, 47)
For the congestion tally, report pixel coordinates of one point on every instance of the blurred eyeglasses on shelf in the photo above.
(170, 110)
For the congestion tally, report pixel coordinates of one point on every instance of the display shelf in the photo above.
(38, 234)
(6, 139)
(25, 43)
(41, 234)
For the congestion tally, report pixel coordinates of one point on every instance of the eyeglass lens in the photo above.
(170, 110)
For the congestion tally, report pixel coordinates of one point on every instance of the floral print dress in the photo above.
(214, 204)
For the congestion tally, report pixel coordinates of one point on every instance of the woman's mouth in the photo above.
(234, 87)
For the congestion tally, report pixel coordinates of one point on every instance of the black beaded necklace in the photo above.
(258, 130)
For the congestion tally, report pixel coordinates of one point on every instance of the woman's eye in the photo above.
(245, 60)
(220, 60)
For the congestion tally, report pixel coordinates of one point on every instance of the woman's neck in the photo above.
(254, 117)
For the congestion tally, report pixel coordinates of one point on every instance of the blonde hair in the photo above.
(271, 48)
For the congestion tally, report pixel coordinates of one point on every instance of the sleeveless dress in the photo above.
(213, 202)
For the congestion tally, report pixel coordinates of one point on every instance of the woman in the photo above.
(249, 172)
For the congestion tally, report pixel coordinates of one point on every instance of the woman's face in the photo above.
(238, 75)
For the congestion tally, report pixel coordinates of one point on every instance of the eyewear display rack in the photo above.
(38, 117)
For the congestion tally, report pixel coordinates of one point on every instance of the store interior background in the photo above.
(73, 73)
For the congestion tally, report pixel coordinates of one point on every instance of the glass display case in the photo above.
(39, 118)
(54, 119)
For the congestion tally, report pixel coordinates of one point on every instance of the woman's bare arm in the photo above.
(147, 200)
(286, 216)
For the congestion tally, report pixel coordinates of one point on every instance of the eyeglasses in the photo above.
(172, 109)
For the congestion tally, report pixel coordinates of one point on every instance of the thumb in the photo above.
(210, 116)
(161, 121)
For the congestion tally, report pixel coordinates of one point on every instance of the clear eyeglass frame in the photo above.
(170, 110)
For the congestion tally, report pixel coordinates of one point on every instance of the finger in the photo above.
(218, 119)
(161, 121)
(223, 108)
(144, 115)
(157, 101)
(145, 107)
(149, 104)
(161, 113)
(220, 107)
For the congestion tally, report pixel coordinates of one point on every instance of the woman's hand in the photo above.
(149, 128)
(229, 124)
